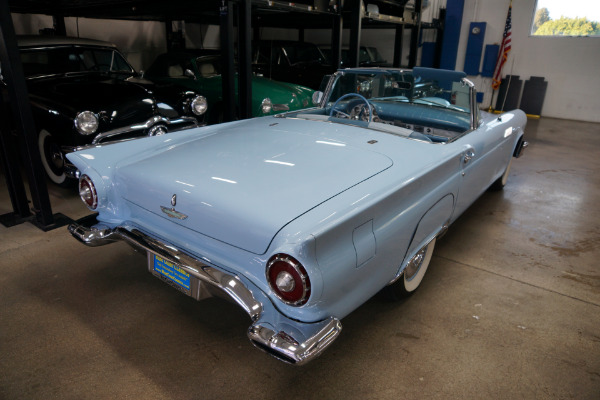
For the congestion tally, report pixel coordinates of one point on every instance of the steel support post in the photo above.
(22, 117)
(228, 68)
(245, 58)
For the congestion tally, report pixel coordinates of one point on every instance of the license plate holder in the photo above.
(171, 273)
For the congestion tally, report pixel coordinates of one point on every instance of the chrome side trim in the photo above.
(149, 123)
(288, 340)
(281, 107)
(443, 230)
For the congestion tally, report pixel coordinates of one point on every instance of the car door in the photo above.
(485, 153)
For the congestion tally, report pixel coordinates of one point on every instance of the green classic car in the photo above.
(200, 72)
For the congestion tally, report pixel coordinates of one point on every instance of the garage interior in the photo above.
(509, 308)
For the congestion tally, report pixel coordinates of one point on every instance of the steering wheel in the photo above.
(369, 107)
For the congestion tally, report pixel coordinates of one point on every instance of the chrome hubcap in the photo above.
(57, 159)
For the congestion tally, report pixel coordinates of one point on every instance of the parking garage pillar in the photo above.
(228, 71)
(245, 58)
(22, 117)
(355, 28)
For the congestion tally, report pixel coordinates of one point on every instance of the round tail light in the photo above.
(87, 192)
(288, 279)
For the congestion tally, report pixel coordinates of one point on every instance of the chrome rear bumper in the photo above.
(289, 340)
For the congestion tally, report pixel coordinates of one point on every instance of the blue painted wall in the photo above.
(474, 47)
(489, 60)
(454, 15)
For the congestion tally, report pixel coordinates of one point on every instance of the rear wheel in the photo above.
(413, 274)
(52, 158)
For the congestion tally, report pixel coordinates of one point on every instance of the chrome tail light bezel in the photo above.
(285, 264)
(88, 192)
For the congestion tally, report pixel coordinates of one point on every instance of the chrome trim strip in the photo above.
(149, 123)
(267, 332)
(473, 98)
(439, 234)
(281, 107)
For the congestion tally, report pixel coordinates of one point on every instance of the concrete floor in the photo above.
(510, 308)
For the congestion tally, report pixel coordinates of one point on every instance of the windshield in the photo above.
(303, 53)
(426, 104)
(59, 60)
(444, 91)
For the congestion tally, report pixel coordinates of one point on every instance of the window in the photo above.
(566, 18)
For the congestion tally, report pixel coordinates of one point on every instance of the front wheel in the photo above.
(413, 274)
(52, 158)
(501, 182)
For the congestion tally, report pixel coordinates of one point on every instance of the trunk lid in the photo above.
(242, 185)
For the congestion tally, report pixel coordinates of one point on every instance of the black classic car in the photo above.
(83, 92)
(289, 61)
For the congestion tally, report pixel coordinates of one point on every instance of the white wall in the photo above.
(570, 65)
(139, 41)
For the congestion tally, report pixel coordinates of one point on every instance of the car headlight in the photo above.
(199, 105)
(266, 106)
(86, 122)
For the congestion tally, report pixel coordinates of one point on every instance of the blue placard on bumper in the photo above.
(172, 272)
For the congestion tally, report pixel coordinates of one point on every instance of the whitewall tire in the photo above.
(52, 158)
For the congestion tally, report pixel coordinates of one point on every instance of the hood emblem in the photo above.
(171, 212)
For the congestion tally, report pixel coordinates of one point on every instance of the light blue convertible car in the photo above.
(301, 217)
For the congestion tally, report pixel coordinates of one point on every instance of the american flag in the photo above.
(504, 50)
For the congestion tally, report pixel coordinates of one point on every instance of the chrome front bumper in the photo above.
(157, 120)
(289, 340)
(154, 126)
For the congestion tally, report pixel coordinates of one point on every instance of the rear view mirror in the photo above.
(403, 85)
(189, 74)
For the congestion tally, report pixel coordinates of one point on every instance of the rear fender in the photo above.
(431, 224)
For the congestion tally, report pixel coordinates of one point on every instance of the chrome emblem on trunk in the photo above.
(171, 212)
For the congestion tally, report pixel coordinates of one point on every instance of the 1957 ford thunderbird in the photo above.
(301, 217)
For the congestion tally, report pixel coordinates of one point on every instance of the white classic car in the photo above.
(302, 217)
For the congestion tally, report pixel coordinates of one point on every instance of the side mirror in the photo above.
(188, 72)
(317, 97)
